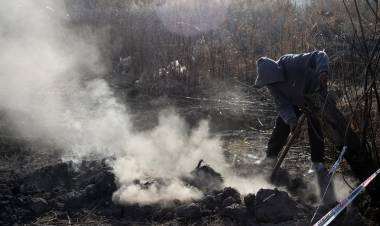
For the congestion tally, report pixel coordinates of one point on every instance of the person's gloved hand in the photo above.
(323, 77)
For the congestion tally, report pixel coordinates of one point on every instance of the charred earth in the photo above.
(81, 193)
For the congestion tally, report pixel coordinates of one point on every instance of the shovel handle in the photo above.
(289, 142)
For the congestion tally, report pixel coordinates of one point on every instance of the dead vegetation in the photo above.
(193, 72)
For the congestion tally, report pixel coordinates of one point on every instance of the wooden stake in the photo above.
(291, 138)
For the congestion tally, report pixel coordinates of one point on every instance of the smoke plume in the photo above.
(52, 91)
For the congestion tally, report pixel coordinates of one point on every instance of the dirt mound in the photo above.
(274, 206)
(204, 178)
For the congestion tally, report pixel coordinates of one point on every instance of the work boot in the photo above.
(316, 167)
(323, 178)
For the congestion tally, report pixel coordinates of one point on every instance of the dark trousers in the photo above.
(281, 131)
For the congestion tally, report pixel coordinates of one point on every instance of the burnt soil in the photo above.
(37, 187)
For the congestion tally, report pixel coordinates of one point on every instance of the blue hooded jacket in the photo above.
(289, 78)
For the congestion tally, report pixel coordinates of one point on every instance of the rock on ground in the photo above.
(249, 201)
(231, 192)
(209, 202)
(234, 211)
(205, 179)
(274, 206)
(188, 212)
(38, 205)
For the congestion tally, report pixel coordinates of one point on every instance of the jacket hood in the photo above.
(268, 72)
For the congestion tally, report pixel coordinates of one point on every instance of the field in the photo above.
(145, 112)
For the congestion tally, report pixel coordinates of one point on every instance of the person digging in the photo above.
(288, 79)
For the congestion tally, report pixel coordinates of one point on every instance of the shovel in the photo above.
(291, 138)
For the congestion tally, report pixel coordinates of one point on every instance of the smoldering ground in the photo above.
(51, 89)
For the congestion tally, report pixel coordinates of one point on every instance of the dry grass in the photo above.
(251, 29)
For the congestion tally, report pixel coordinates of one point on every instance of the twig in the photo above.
(269, 197)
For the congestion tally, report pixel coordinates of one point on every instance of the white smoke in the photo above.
(51, 89)
(167, 151)
(49, 82)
